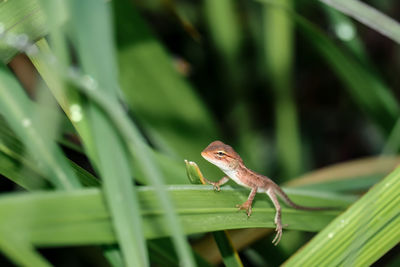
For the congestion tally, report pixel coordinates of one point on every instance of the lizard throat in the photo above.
(236, 175)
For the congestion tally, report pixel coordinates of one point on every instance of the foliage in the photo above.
(92, 151)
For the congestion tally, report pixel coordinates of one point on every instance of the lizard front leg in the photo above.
(277, 220)
(217, 184)
(247, 204)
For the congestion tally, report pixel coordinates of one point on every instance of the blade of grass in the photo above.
(374, 97)
(224, 27)
(170, 167)
(120, 195)
(23, 177)
(56, 15)
(368, 16)
(278, 46)
(19, 167)
(142, 156)
(22, 21)
(141, 58)
(58, 92)
(20, 251)
(367, 90)
(361, 235)
(241, 239)
(98, 61)
(113, 255)
(162, 252)
(228, 252)
(68, 100)
(351, 175)
(141, 153)
(19, 112)
(82, 217)
(346, 31)
(130, 134)
(392, 144)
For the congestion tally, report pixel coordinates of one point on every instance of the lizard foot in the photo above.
(278, 235)
(245, 206)
(216, 187)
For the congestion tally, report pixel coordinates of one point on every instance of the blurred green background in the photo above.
(292, 86)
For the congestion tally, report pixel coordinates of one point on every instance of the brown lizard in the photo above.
(224, 157)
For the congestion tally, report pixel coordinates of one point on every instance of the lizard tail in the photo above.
(288, 201)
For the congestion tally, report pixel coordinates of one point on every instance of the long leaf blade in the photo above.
(368, 16)
(199, 208)
(371, 222)
(19, 112)
(20, 251)
(112, 158)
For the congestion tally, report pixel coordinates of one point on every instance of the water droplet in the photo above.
(76, 112)
(51, 59)
(345, 31)
(10, 39)
(343, 223)
(21, 41)
(26, 122)
(73, 72)
(330, 235)
(32, 50)
(88, 82)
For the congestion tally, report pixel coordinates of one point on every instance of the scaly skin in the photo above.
(225, 158)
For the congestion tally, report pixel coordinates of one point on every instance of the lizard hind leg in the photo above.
(247, 204)
(277, 219)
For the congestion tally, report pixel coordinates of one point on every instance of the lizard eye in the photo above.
(220, 153)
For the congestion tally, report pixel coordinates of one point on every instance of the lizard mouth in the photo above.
(205, 155)
(217, 162)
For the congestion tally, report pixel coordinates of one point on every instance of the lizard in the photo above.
(228, 161)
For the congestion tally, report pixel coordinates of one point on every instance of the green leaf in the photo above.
(367, 90)
(23, 118)
(85, 219)
(164, 104)
(19, 167)
(370, 93)
(171, 168)
(278, 30)
(354, 175)
(19, 250)
(362, 234)
(140, 151)
(368, 16)
(21, 175)
(162, 253)
(224, 28)
(228, 252)
(21, 21)
(98, 61)
(141, 156)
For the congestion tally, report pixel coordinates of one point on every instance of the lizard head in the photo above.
(221, 155)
